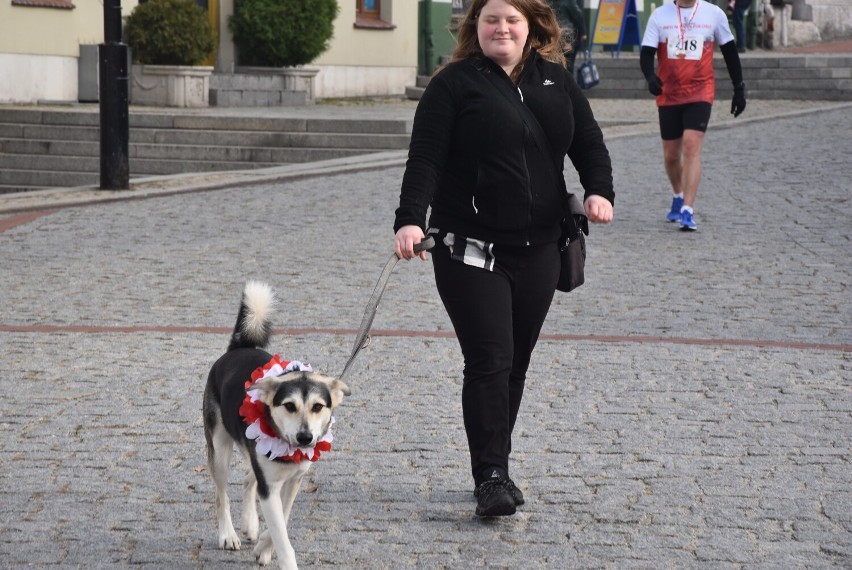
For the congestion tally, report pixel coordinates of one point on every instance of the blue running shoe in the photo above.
(686, 221)
(674, 213)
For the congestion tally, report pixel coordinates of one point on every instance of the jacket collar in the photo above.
(484, 64)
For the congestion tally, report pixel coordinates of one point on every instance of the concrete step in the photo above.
(50, 132)
(12, 188)
(240, 98)
(61, 147)
(414, 93)
(50, 174)
(228, 131)
(750, 73)
(770, 89)
(248, 89)
(47, 178)
(246, 155)
(797, 77)
(767, 77)
(11, 150)
(51, 140)
(367, 142)
(392, 133)
(88, 164)
(211, 137)
(13, 146)
(340, 126)
(14, 115)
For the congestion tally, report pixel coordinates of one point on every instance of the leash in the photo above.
(362, 339)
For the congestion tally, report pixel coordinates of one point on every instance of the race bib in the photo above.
(690, 48)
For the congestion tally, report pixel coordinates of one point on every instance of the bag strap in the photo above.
(515, 97)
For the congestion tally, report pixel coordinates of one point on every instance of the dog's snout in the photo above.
(304, 437)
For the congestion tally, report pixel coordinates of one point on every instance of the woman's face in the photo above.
(502, 31)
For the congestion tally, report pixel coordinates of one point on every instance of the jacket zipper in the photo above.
(527, 135)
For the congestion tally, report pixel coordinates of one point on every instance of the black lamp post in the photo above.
(114, 83)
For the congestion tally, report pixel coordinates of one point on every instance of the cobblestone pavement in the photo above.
(689, 407)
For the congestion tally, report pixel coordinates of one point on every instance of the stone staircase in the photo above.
(48, 148)
(266, 88)
(414, 91)
(823, 77)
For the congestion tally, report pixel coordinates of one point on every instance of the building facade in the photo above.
(374, 50)
(377, 49)
(40, 47)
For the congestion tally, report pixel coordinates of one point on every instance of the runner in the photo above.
(683, 34)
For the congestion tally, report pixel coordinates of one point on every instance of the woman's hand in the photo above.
(404, 242)
(598, 209)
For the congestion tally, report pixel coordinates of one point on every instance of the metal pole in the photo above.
(427, 36)
(114, 105)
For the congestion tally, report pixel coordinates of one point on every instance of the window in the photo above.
(368, 8)
(369, 14)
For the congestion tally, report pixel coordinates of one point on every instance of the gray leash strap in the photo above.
(362, 339)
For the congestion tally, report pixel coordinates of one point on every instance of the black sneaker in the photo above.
(517, 495)
(494, 498)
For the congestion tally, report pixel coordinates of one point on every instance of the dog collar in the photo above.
(254, 414)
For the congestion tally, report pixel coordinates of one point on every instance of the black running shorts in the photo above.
(674, 119)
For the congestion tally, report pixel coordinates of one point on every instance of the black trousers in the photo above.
(497, 316)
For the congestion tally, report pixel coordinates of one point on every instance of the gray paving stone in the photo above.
(695, 437)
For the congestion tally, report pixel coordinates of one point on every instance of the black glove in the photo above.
(655, 84)
(738, 103)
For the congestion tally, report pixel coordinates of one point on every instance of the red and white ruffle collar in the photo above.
(253, 412)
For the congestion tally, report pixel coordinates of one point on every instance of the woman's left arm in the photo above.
(590, 158)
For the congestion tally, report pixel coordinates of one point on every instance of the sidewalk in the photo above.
(689, 407)
(835, 46)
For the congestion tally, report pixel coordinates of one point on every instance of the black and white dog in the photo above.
(279, 415)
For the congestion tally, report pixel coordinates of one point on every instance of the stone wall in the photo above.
(833, 18)
(812, 21)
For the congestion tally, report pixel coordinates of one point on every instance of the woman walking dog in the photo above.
(496, 198)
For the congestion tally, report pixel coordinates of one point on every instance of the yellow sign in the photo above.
(609, 21)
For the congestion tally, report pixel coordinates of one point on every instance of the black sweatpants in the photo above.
(497, 316)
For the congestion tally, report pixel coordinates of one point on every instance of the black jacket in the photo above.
(476, 163)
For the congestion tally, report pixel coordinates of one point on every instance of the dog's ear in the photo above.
(337, 388)
(266, 389)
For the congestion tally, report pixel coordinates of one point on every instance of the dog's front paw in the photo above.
(264, 548)
(229, 541)
(263, 556)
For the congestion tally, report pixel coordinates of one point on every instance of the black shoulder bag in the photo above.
(572, 244)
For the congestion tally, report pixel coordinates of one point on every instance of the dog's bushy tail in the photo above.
(254, 324)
